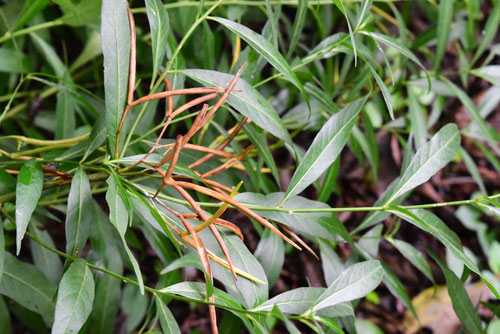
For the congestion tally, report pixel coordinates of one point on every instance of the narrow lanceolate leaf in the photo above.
(460, 300)
(383, 88)
(430, 223)
(119, 215)
(167, 320)
(298, 25)
(393, 43)
(115, 33)
(490, 31)
(247, 101)
(414, 256)
(97, 136)
(65, 116)
(26, 285)
(365, 9)
(490, 73)
(28, 191)
(443, 29)
(474, 113)
(158, 22)
(266, 50)
(74, 298)
(2, 251)
(430, 158)
(49, 263)
(325, 148)
(5, 325)
(79, 214)
(355, 282)
(65, 111)
(340, 6)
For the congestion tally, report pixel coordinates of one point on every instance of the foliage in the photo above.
(156, 132)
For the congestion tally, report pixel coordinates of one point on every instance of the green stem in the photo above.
(8, 35)
(343, 209)
(147, 288)
(180, 4)
(53, 183)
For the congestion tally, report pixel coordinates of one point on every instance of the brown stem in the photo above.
(168, 174)
(228, 164)
(170, 100)
(224, 96)
(204, 217)
(183, 91)
(222, 145)
(299, 240)
(182, 108)
(240, 207)
(188, 135)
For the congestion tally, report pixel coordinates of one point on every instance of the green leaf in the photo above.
(167, 320)
(459, 298)
(365, 8)
(79, 215)
(431, 224)
(28, 192)
(65, 111)
(308, 223)
(65, 116)
(266, 50)
(490, 73)
(248, 292)
(430, 158)
(396, 288)
(46, 261)
(473, 171)
(393, 43)
(473, 112)
(414, 256)
(276, 313)
(5, 325)
(340, 6)
(490, 31)
(2, 251)
(105, 308)
(325, 148)
(27, 286)
(417, 119)
(158, 22)
(383, 88)
(443, 30)
(75, 298)
(330, 262)
(296, 301)
(91, 50)
(271, 254)
(249, 102)
(355, 282)
(30, 10)
(258, 138)
(188, 260)
(198, 291)
(298, 25)
(10, 62)
(7, 183)
(96, 138)
(119, 215)
(115, 34)
(82, 13)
